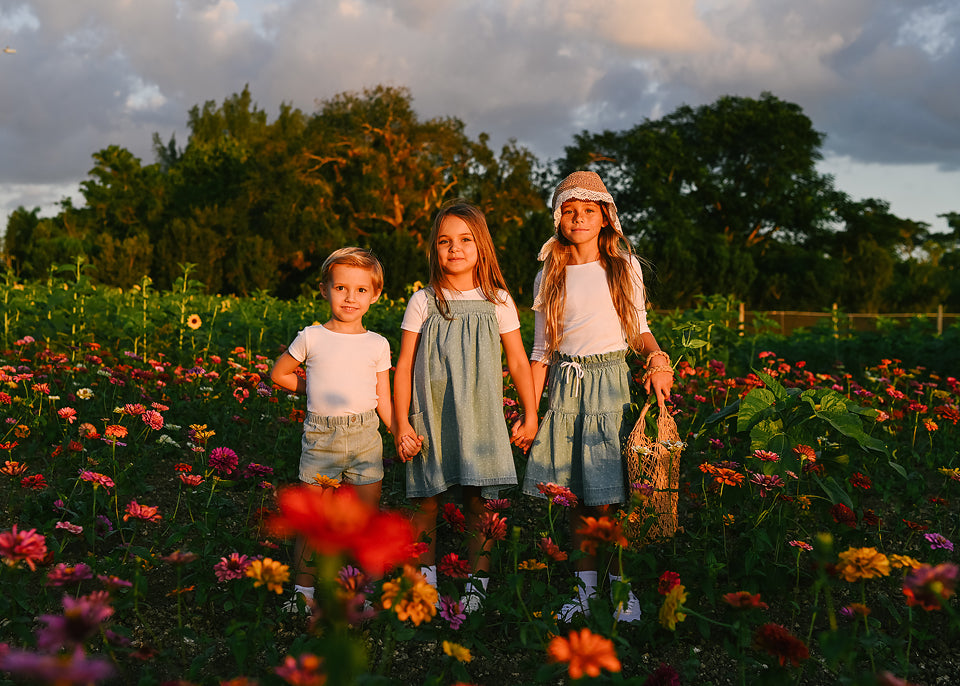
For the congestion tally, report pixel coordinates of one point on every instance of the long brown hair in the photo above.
(487, 276)
(615, 254)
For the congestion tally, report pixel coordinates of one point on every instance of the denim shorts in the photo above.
(347, 448)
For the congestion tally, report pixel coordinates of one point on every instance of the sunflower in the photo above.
(194, 321)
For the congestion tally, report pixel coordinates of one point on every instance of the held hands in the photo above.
(408, 443)
(523, 432)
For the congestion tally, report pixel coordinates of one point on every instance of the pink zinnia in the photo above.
(493, 526)
(191, 479)
(145, 512)
(67, 413)
(223, 460)
(97, 479)
(26, 546)
(231, 568)
(64, 574)
(153, 419)
(75, 529)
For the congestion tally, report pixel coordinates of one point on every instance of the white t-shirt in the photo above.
(416, 312)
(341, 369)
(591, 325)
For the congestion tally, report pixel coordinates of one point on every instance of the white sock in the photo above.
(589, 579)
(430, 573)
(307, 591)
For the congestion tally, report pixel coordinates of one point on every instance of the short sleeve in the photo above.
(416, 312)
(298, 349)
(508, 319)
(383, 355)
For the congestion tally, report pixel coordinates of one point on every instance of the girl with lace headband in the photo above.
(590, 311)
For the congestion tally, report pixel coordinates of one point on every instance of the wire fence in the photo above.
(840, 321)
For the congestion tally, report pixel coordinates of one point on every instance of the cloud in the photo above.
(877, 76)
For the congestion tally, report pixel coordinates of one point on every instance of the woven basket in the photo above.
(655, 461)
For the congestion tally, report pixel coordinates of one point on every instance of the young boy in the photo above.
(347, 386)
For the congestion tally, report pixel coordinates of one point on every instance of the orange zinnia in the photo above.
(585, 653)
(600, 530)
(862, 563)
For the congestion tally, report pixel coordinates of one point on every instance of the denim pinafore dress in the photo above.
(457, 403)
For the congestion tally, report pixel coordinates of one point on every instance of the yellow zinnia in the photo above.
(270, 573)
(410, 596)
(899, 561)
(457, 651)
(862, 563)
(669, 611)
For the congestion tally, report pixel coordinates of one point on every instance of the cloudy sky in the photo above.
(878, 77)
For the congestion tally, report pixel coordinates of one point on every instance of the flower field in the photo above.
(146, 526)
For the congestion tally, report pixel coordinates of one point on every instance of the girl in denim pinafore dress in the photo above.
(448, 387)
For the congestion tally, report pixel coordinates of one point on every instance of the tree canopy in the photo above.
(722, 198)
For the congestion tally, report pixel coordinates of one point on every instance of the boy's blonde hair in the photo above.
(353, 257)
(488, 277)
(615, 255)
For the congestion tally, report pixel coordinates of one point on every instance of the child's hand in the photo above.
(524, 432)
(408, 443)
(660, 385)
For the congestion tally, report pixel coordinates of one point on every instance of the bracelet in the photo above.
(654, 354)
(655, 370)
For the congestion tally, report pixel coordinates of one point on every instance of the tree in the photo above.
(705, 192)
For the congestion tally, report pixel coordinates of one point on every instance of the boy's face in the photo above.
(350, 291)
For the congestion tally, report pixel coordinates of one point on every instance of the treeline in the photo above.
(723, 198)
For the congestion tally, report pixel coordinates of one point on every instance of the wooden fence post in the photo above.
(940, 319)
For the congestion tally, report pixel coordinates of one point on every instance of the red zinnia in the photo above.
(843, 515)
(667, 581)
(335, 521)
(453, 566)
(454, 517)
(743, 600)
(780, 643)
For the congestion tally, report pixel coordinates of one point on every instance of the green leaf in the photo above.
(756, 402)
(775, 387)
(834, 491)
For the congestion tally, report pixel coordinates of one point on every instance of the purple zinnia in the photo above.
(451, 611)
(939, 541)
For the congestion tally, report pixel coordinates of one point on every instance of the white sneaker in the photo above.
(292, 606)
(630, 613)
(472, 601)
(577, 606)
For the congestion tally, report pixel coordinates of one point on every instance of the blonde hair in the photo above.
(353, 257)
(615, 257)
(487, 276)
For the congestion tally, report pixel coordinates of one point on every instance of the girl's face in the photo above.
(457, 253)
(581, 221)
